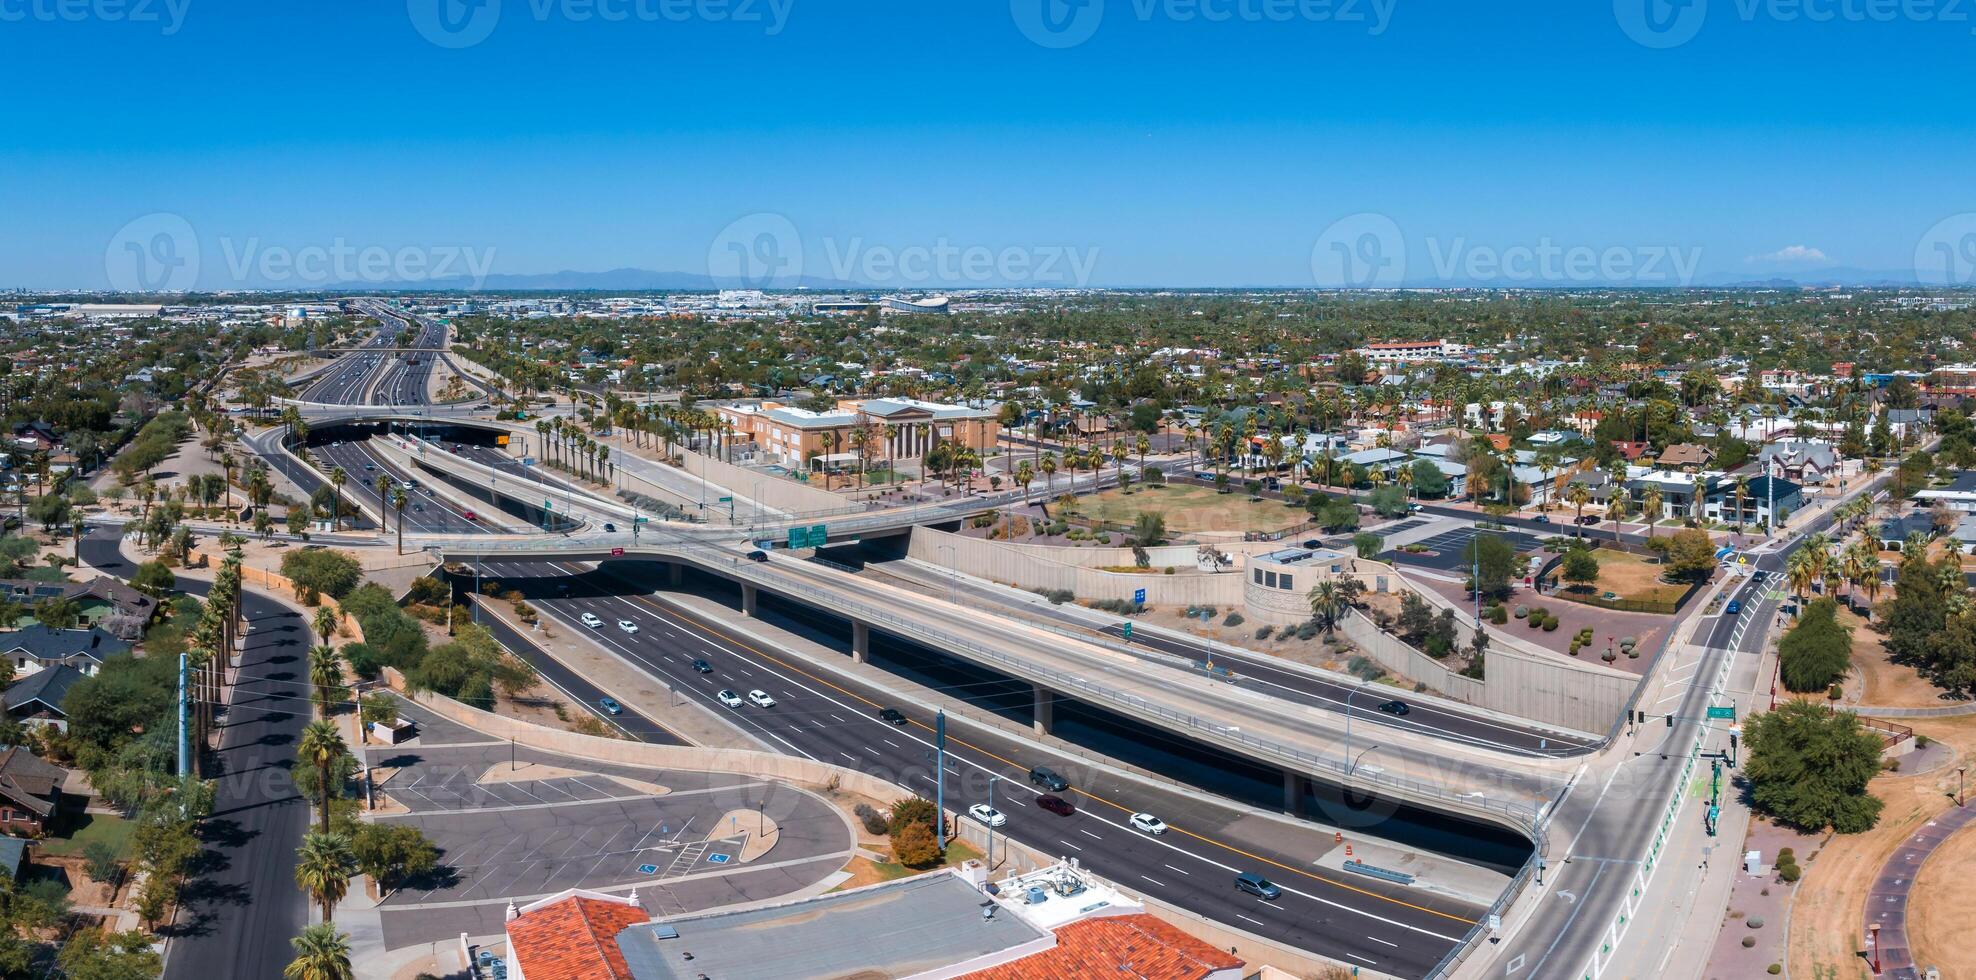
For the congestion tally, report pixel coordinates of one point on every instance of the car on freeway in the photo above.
(701, 666)
(1735, 606)
(419, 507)
(1395, 707)
(757, 556)
(627, 626)
(729, 698)
(1047, 778)
(591, 620)
(987, 815)
(370, 467)
(469, 515)
(1146, 823)
(891, 716)
(1056, 804)
(761, 698)
(610, 705)
(1257, 885)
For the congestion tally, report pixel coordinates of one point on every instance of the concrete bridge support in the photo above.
(675, 574)
(747, 599)
(1293, 793)
(1046, 710)
(860, 642)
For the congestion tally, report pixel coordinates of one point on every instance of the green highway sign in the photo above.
(1727, 711)
(809, 537)
(726, 500)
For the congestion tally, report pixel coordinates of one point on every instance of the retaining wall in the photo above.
(777, 492)
(1018, 565)
(279, 584)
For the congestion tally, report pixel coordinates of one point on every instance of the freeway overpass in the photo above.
(1305, 743)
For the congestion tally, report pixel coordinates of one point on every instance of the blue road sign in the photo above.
(1139, 596)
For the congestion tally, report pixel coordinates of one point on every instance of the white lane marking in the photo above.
(1089, 834)
(1362, 959)
(1068, 844)
(1170, 867)
(1154, 882)
(1376, 939)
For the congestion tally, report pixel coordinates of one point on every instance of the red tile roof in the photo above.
(1099, 947)
(574, 939)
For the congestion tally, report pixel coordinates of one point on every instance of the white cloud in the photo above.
(1798, 254)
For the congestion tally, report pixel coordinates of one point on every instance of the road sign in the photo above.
(1128, 631)
(648, 869)
(501, 440)
(617, 552)
(1139, 596)
(528, 461)
(819, 535)
(799, 538)
(726, 500)
(1726, 712)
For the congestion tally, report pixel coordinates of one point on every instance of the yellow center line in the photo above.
(730, 638)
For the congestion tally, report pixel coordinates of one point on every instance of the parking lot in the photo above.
(1447, 547)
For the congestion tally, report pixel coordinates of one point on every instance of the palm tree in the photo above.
(321, 953)
(1650, 508)
(1327, 603)
(1024, 475)
(1742, 494)
(323, 867)
(1049, 468)
(383, 485)
(336, 480)
(1578, 496)
(325, 623)
(1799, 572)
(326, 673)
(320, 746)
(1617, 510)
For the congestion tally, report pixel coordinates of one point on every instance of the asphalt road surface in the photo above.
(243, 906)
(1387, 927)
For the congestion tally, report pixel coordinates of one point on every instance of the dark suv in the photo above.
(1048, 779)
(891, 716)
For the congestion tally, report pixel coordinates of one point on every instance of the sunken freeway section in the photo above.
(834, 719)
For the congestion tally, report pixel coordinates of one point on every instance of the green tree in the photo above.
(391, 853)
(1690, 554)
(1581, 567)
(321, 953)
(319, 747)
(1367, 544)
(321, 571)
(153, 579)
(1817, 651)
(91, 954)
(914, 845)
(1389, 501)
(323, 867)
(1810, 769)
(1496, 561)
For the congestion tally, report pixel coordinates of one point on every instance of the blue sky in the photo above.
(1159, 150)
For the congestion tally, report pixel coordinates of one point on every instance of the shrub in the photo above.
(913, 845)
(875, 823)
(1749, 941)
(1775, 968)
(909, 811)
(1307, 630)
(1550, 625)
(1790, 873)
(1499, 616)
(1754, 922)
(1522, 612)
(1262, 632)
(1234, 619)
(1364, 668)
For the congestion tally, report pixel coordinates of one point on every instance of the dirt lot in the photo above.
(1191, 510)
(1938, 911)
(1633, 577)
(1882, 682)
(1828, 915)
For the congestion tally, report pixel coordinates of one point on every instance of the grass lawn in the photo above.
(84, 828)
(1190, 509)
(1632, 577)
(867, 872)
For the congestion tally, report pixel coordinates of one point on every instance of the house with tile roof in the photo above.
(571, 935)
(37, 698)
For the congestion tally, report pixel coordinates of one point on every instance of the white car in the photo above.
(1146, 823)
(761, 698)
(987, 814)
(591, 620)
(628, 626)
(729, 698)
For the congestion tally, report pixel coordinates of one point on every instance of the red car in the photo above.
(1056, 804)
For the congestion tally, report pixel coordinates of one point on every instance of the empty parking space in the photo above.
(1445, 549)
(454, 789)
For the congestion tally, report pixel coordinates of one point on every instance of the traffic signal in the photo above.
(1670, 721)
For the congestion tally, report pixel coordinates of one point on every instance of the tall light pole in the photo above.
(1348, 723)
(940, 779)
(1959, 770)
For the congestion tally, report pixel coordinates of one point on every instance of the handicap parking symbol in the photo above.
(717, 858)
(648, 869)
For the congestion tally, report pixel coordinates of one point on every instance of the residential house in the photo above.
(1766, 499)
(40, 647)
(1807, 463)
(1893, 532)
(37, 698)
(1686, 456)
(30, 792)
(1677, 492)
(1958, 496)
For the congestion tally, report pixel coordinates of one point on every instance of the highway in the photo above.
(1258, 672)
(425, 511)
(1376, 924)
(244, 906)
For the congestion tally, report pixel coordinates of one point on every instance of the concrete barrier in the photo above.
(774, 491)
(1021, 567)
(745, 762)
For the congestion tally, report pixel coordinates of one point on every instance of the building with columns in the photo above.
(901, 428)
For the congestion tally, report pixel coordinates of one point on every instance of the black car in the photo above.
(1395, 707)
(1056, 804)
(1047, 778)
(1313, 544)
(610, 528)
(1542, 518)
(703, 667)
(757, 556)
(891, 716)
(1588, 519)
